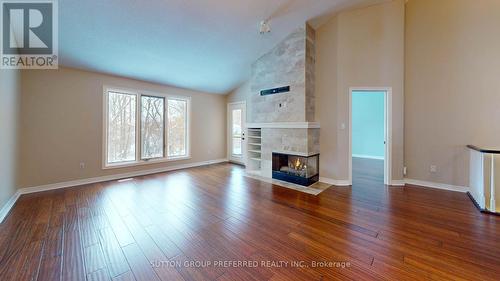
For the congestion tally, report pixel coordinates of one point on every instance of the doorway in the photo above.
(370, 135)
(236, 113)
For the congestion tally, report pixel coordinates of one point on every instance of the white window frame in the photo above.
(138, 150)
(188, 114)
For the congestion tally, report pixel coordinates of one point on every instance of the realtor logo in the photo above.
(29, 34)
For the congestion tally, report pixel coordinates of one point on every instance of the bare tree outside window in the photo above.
(152, 127)
(237, 137)
(121, 127)
(142, 127)
(176, 127)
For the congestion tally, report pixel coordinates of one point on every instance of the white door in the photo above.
(236, 113)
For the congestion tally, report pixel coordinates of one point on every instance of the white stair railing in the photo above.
(482, 178)
(492, 184)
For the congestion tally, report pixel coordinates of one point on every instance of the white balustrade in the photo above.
(482, 178)
(492, 184)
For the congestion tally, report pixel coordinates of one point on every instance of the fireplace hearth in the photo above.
(297, 169)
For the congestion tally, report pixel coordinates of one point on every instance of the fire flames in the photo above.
(298, 165)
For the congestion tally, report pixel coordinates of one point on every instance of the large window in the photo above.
(144, 128)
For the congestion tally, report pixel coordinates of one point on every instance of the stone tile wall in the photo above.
(290, 63)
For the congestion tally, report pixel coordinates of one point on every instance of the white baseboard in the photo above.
(403, 183)
(8, 206)
(397, 183)
(335, 182)
(368, 156)
(437, 185)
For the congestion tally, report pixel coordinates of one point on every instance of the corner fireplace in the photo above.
(297, 169)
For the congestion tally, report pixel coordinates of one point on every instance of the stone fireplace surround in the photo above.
(286, 120)
(289, 138)
(295, 138)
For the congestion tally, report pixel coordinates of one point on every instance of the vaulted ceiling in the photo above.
(205, 45)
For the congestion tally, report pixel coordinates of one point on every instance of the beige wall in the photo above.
(242, 93)
(359, 48)
(326, 101)
(62, 125)
(9, 106)
(452, 85)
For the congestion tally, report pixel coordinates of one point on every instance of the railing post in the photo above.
(492, 185)
(482, 196)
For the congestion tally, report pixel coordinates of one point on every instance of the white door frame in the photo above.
(230, 157)
(387, 130)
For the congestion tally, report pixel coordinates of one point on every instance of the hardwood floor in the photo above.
(169, 226)
(367, 172)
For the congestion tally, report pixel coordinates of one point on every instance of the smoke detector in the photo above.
(264, 27)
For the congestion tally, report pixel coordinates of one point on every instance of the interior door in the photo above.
(236, 130)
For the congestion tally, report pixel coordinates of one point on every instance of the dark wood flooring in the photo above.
(170, 226)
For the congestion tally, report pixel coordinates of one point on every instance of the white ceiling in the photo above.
(205, 45)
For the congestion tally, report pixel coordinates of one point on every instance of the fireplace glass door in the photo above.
(303, 170)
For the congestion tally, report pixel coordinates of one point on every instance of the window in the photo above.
(177, 133)
(121, 127)
(152, 127)
(236, 128)
(144, 128)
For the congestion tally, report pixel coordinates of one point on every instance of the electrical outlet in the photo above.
(405, 171)
(82, 165)
(433, 169)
